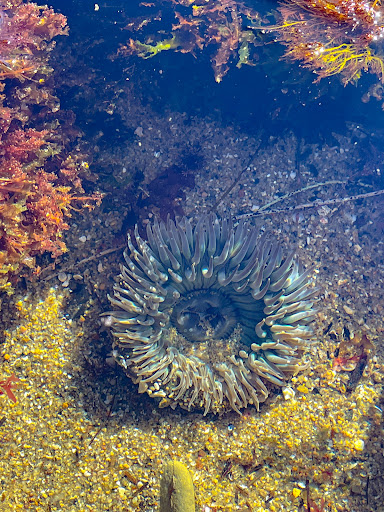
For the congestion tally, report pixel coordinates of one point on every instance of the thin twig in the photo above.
(105, 422)
(99, 255)
(307, 493)
(304, 189)
(313, 204)
(228, 190)
(234, 183)
(85, 260)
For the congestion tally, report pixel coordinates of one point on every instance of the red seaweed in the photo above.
(7, 385)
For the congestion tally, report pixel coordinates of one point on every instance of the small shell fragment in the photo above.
(288, 393)
(359, 445)
(62, 276)
(348, 310)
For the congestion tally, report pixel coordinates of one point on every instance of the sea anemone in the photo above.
(208, 316)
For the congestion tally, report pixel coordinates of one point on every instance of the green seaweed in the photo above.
(176, 489)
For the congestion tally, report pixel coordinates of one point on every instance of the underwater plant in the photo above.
(333, 37)
(7, 385)
(205, 316)
(330, 37)
(217, 24)
(34, 205)
(39, 182)
(26, 32)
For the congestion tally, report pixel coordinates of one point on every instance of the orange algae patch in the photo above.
(333, 37)
(36, 198)
(34, 206)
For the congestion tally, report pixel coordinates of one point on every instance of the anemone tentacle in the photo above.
(207, 315)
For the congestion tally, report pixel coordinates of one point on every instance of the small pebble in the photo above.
(288, 393)
(359, 445)
(83, 239)
(357, 248)
(296, 492)
(348, 310)
(62, 277)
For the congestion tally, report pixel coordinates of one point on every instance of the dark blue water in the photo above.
(250, 97)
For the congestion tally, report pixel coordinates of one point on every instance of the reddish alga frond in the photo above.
(34, 204)
(217, 24)
(333, 37)
(330, 37)
(7, 385)
(25, 32)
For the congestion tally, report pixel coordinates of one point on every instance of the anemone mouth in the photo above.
(204, 314)
(208, 316)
